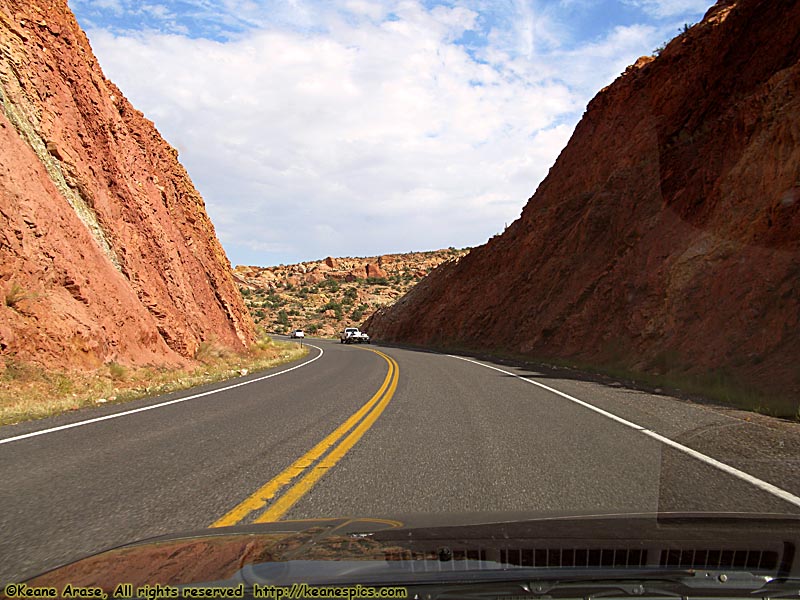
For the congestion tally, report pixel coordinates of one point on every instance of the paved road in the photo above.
(363, 433)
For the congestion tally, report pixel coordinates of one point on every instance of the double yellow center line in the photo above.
(309, 468)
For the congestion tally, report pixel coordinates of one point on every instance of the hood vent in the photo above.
(574, 557)
(750, 560)
(457, 559)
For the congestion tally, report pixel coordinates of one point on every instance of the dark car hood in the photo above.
(279, 553)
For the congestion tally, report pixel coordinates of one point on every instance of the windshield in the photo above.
(566, 236)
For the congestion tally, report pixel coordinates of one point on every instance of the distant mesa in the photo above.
(324, 296)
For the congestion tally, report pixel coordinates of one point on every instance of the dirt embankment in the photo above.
(106, 251)
(666, 238)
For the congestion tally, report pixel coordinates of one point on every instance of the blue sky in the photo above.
(354, 127)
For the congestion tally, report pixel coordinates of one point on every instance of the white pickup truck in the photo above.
(351, 335)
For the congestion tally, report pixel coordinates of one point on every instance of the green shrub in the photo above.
(330, 284)
(349, 297)
(15, 295)
(336, 307)
(331, 305)
(275, 301)
(117, 371)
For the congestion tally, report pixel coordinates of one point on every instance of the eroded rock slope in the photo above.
(106, 251)
(666, 237)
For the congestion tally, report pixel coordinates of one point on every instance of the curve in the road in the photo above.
(317, 461)
(160, 404)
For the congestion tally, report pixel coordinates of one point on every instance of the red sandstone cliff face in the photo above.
(106, 251)
(667, 234)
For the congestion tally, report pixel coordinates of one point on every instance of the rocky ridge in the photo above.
(106, 251)
(666, 237)
(324, 296)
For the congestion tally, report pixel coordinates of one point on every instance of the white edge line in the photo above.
(759, 483)
(159, 405)
(555, 391)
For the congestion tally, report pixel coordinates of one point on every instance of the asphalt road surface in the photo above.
(368, 431)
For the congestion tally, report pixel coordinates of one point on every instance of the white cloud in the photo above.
(373, 10)
(671, 8)
(114, 5)
(352, 131)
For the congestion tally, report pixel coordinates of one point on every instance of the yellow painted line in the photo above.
(265, 493)
(298, 490)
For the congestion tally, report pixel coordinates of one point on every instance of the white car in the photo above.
(351, 335)
(297, 334)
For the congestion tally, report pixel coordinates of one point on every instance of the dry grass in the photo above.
(14, 295)
(30, 392)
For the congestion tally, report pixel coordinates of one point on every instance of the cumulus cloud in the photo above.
(362, 127)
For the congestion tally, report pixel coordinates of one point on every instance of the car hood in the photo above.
(342, 550)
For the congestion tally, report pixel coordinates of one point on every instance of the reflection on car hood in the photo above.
(442, 542)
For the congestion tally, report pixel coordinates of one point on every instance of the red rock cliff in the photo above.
(106, 251)
(667, 234)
